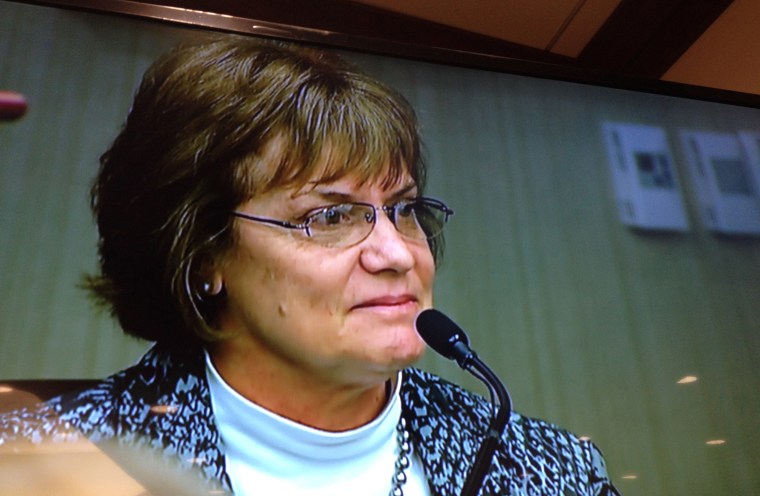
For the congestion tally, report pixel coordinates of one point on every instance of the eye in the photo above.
(334, 215)
(406, 208)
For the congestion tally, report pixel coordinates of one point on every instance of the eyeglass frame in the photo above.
(390, 211)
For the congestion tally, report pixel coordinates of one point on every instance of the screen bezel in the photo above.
(239, 17)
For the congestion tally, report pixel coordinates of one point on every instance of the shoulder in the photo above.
(57, 419)
(541, 456)
(153, 416)
(111, 406)
(432, 395)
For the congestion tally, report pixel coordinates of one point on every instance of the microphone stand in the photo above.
(479, 369)
(446, 338)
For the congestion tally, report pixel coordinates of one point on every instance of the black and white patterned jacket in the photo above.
(162, 404)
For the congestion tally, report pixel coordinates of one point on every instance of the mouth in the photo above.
(388, 302)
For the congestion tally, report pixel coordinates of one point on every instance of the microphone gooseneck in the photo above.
(449, 340)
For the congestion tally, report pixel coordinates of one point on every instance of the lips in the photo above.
(387, 301)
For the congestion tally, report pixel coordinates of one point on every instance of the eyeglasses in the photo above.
(346, 224)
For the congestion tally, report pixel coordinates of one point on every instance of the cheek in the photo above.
(426, 268)
(307, 288)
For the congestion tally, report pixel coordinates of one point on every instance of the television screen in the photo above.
(645, 340)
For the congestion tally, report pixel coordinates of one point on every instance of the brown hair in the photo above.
(191, 150)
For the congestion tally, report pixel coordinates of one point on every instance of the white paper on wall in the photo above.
(645, 180)
(750, 141)
(725, 186)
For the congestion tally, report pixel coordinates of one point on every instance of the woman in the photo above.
(261, 219)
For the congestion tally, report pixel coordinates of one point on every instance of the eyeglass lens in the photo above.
(350, 223)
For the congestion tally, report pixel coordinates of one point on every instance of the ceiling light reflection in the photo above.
(688, 379)
(716, 442)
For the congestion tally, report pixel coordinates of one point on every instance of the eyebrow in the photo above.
(328, 194)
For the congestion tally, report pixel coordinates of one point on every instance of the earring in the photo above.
(213, 287)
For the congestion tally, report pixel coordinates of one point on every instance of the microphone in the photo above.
(450, 341)
(444, 336)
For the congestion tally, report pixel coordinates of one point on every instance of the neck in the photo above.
(301, 396)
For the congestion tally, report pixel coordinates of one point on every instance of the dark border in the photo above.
(347, 25)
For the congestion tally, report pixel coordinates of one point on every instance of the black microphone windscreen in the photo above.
(440, 332)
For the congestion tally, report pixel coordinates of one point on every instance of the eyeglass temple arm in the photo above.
(274, 222)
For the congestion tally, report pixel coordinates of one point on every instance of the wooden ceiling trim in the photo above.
(565, 24)
(643, 38)
(584, 26)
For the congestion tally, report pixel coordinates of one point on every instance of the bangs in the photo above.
(335, 127)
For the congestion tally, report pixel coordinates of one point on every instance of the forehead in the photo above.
(318, 190)
(276, 167)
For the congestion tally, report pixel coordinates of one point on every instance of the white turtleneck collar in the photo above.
(269, 454)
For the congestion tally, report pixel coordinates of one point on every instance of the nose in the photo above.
(386, 249)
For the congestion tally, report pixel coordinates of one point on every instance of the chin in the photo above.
(409, 353)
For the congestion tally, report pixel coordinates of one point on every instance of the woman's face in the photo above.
(344, 315)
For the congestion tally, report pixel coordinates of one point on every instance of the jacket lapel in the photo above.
(443, 443)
